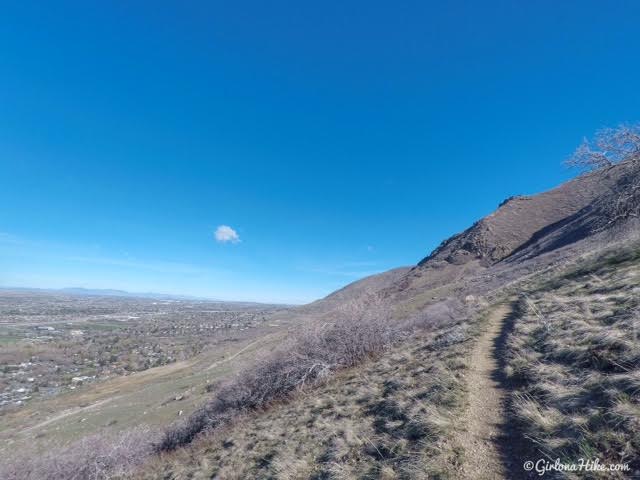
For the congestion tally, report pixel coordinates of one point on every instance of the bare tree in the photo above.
(610, 146)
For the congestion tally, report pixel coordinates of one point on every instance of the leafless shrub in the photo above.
(457, 334)
(97, 457)
(610, 146)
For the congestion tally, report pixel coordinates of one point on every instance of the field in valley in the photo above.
(76, 365)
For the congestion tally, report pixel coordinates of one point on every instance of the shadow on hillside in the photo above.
(513, 447)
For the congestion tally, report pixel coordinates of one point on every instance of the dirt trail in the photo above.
(165, 369)
(232, 357)
(67, 413)
(486, 440)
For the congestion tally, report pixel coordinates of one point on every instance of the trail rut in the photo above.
(489, 441)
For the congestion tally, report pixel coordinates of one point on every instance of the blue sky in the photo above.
(336, 139)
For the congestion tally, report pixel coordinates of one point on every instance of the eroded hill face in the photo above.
(520, 221)
(525, 234)
(616, 209)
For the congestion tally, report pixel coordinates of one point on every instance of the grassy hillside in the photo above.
(575, 359)
(392, 417)
(515, 340)
(570, 360)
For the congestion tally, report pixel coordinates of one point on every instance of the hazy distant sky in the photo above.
(278, 150)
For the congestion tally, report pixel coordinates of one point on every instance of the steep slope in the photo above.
(390, 411)
(519, 219)
(613, 211)
(522, 228)
(437, 406)
(525, 235)
(355, 293)
(474, 266)
(388, 419)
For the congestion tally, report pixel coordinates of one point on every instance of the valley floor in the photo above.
(153, 397)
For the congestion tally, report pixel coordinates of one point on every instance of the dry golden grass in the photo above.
(575, 355)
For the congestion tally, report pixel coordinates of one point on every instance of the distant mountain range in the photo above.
(108, 292)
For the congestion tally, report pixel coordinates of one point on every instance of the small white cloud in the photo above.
(226, 234)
